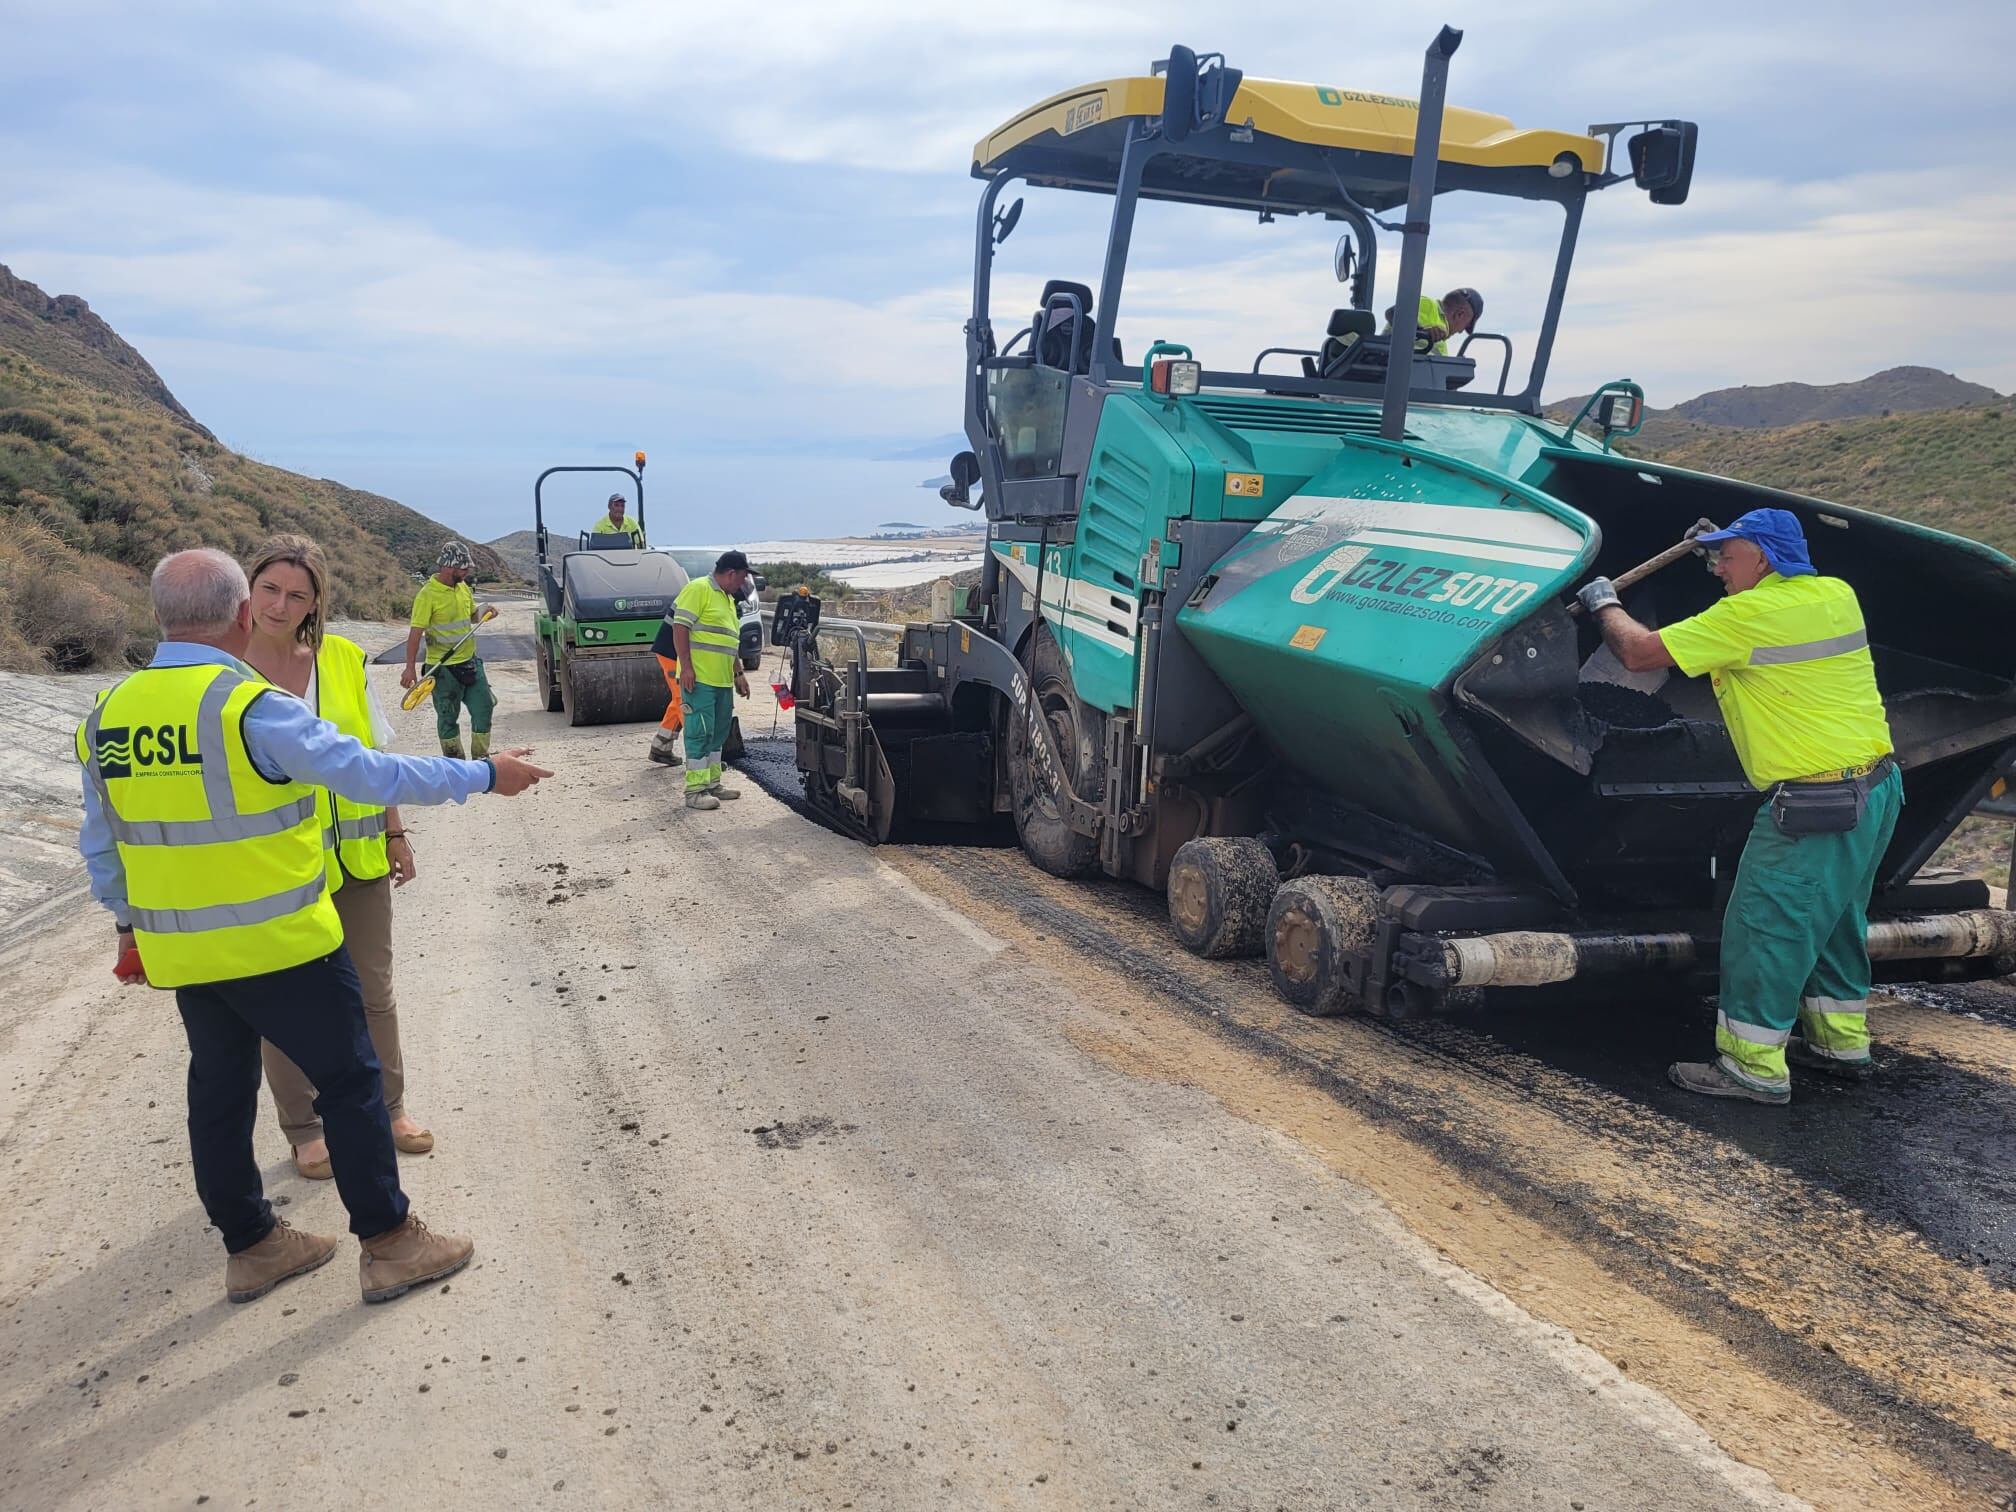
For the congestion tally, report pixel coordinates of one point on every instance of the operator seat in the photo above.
(1057, 324)
(1347, 328)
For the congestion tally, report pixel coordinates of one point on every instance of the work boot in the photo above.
(700, 798)
(1711, 1080)
(1801, 1054)
(453, 748)
(284, 1252)
(410, 1255)
(665, 749)
(479, 744)
(725, 792)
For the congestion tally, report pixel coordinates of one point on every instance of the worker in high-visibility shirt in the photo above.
(1454, 314)
(202, 835)
(1787, 654)
(613, 521)
(444, 614)
(706, 622)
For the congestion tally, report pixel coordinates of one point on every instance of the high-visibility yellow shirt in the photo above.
(445, 614)
(1430, 315)
(353, 835)
(1789, 662)
(224, 871)
(713, 621)
(629, 527)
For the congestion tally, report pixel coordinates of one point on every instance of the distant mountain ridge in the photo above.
(1893, 391)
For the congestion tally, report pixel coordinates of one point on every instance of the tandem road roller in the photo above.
(600, 607)
(1285, 630)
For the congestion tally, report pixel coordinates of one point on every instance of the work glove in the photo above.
(1696, 529)
(1597, 593)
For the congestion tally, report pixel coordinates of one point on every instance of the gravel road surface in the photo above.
(795, 1183)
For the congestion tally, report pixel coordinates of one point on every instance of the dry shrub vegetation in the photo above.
(95, 487)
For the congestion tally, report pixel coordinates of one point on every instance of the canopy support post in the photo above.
(1414, 239)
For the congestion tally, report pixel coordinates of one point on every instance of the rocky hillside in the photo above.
(60, 335)
(519, 552)
(1894, 391)
(102, 471)
(1954, 469)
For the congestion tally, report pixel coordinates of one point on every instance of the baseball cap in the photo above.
(618, 499)
(1470, 297)
(454, 554)
(1775, 532)
(731, 561)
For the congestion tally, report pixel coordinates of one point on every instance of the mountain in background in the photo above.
(1898, 390)
(1894, 391)
(520, 552)
(1952, 469)
(102, 471)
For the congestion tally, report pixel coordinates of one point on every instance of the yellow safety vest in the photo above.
(446, 614)
(629, 527)
(224, 871)
(714, 625)
(353, 835)
(1790, 667)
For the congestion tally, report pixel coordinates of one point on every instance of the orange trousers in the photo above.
(675, 711)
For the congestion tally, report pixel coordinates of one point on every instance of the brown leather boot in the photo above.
(284, 1252)
(410, 1255)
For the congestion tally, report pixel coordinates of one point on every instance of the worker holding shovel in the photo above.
(444, 615)
(1786, 653)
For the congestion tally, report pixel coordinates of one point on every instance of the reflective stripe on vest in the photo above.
(715, 645)
(354, 833)
(224, 872)
(1805, 651)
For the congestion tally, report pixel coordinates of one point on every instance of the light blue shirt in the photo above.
(287, 740)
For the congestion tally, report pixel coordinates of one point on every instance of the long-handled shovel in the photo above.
(1645, 569)
(425, 685)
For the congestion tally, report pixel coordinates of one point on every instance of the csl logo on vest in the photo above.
(122, 748)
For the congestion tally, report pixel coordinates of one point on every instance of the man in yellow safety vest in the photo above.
(614, 523)
(444, 615)
(706, 622)
(1786, 652)
(203, 835)
(1454, 314)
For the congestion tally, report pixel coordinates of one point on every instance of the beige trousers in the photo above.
(366, 911)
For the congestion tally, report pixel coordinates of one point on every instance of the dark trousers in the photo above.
(314, 1013)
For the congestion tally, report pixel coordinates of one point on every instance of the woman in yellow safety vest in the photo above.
(365, 849)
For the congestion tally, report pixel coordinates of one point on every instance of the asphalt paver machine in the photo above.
(599, 610)
(1288, 632)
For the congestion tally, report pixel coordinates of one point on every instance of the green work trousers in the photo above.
(449, 698)
(708, 713)
(1795, 946)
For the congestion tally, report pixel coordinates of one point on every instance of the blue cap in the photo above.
(1775, 532)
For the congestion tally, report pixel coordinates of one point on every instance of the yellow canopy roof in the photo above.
(1075, 137)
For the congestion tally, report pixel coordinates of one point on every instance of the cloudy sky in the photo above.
(431, 246)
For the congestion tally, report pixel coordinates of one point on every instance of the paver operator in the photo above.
(706, 625)
(614, 523)
(444, 614)
(203, 836)
(1453, 314)
(1787, 654)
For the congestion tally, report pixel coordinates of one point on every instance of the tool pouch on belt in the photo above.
(1824, 808)
(463, 672)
